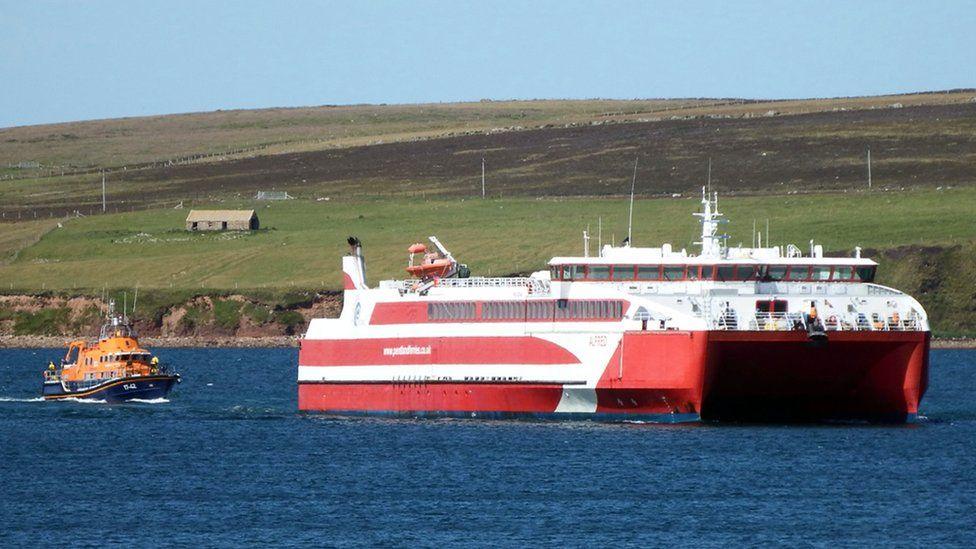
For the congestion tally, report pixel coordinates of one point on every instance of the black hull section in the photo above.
(117, 390)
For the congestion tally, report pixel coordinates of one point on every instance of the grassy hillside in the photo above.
(137, 140)
(396, 174)
(931, 146)
(301, 241)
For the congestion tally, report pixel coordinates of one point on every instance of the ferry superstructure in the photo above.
(733, 333)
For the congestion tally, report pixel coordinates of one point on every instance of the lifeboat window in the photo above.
(599, 272)
(776, 272)
(864, 274)
(842, 273)
(649, 272)
(820, 273)
(674, 273)
(623, 272)
(579, 272)
(725, 272)
(692, 272)
(707, 271)
(799, 272)
(555, 272)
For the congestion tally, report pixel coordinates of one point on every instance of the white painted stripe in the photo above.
(577, 400)
(446, 373)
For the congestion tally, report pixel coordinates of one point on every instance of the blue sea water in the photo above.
(228, 461)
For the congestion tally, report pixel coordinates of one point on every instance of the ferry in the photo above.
(113, 369)
(760, 333)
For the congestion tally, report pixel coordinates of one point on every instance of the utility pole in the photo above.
(869, 167)
(103, 192)
(630, 218)
(482, 177)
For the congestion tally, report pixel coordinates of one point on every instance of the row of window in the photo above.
(723, 273)
(124, 357)
(561, 309)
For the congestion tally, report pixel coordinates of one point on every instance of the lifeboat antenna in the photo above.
(630, 220)
(586, 242)
(125, 298)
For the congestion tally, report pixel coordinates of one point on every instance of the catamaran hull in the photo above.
(117, 390)
(657, 376)
(874, 376)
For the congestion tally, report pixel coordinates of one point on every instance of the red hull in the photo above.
(873, 376)
(717, 375)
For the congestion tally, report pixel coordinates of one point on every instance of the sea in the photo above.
(227, 460)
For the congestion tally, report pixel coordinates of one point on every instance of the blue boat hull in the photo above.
(116, 390)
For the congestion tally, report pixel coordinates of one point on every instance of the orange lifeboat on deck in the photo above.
(433, 265)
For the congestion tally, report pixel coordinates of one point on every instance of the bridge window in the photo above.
(842, 272)
(451, 311)
(746, 272)
(725, 273)
(623, 272)
(674, 272)
(799, 272)
(776, 272)
(692, 272)
(649, 272)
(820, 273)
(599, 272)
(864, 274)
(707, 271)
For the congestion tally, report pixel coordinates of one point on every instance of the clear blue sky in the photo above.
(72, 60)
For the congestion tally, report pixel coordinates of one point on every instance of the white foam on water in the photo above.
(84, 400)
(12, 399)
(159, 400)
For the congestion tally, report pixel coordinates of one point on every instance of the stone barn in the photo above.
(222, 220)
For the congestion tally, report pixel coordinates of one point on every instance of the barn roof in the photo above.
(219, 215)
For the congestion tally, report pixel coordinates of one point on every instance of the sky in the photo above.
(72, 60)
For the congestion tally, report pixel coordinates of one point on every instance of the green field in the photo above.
(300, 242)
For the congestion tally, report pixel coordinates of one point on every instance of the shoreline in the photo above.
(48, 342)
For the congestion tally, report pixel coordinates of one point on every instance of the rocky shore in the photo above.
(46, 342)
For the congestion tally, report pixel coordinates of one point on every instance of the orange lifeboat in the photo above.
(433, 265)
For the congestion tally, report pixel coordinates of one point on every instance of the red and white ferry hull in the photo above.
(635, 375)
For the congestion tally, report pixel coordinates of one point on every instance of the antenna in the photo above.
(599, 236)
(709, 174)
(869, 167)
(482, 177)
(124, 303)
(630, 220)
(136, 300)
(103, 192)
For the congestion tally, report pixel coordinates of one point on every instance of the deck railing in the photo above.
(534, 285)
(728, 319)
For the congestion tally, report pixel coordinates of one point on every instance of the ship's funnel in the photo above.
(354, 266)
